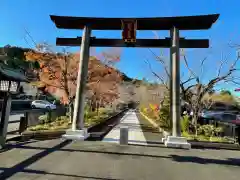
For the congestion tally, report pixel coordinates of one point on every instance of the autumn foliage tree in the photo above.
(58, 76)
(102, 83)
(14, 58)
(58, 73)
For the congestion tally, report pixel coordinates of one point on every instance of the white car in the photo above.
(43, 105)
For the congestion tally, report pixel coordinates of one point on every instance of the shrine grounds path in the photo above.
(67, 160)
(141, 132)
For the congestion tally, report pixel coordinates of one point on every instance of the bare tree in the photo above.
(109, 56)
(195, 94)
(193, 89)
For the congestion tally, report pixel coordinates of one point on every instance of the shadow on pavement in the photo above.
(199, 160)
(93, 151)
(214, 146)
(139, 143)
(31, 171)
(22, 165)
(154, 145)
(177, 158)
(18, 144)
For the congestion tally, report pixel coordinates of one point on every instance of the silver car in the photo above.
(42, 104)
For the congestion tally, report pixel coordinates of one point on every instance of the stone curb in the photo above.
(53, 134)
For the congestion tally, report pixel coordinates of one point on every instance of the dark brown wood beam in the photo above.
(141, 43)
(157, 23)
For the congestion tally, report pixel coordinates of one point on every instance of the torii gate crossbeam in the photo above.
(140, 43)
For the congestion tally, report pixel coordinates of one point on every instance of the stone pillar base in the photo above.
(76, 134)
(176, 142)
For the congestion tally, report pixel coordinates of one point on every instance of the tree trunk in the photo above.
(98, 108)
(93, 105)
(194, 121)
(70, 112)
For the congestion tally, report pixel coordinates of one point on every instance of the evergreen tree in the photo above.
(164, 113)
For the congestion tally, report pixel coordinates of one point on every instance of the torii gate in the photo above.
(129, 27)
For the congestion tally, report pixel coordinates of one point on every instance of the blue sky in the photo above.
(34, 16)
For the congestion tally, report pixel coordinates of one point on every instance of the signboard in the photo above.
(236, 121)
(129, 28)
(238, 89)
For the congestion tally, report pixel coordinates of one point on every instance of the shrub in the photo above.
(62, 118)
(164, 114)
(209, 130)
(46, 118)
(185, 123)
(68, 114)
(218, 131)
(38, 128)
(42, 119)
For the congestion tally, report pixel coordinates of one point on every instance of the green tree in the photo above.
(225, 92)
(164, 113)
(14, 57)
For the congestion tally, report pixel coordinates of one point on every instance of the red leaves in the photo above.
(103, 81)
(45, 70)
(51, 89)
(41, 65)
(59, 75)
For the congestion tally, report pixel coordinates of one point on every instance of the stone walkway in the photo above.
(135, 133)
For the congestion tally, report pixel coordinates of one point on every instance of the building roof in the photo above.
(11, 74)
(158, 23)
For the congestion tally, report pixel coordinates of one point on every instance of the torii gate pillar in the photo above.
(175, 106)
(175, 87)
(78, 132)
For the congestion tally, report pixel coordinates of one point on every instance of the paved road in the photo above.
(100, 160)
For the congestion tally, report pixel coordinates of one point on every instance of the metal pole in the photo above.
(78, 115)
(175, 83)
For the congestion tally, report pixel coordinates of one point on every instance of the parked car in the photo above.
(43, 105)
(227, 117)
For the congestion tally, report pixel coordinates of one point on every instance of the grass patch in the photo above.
(206, 138)
(202, 138)
(55, 125)
(62, 122)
